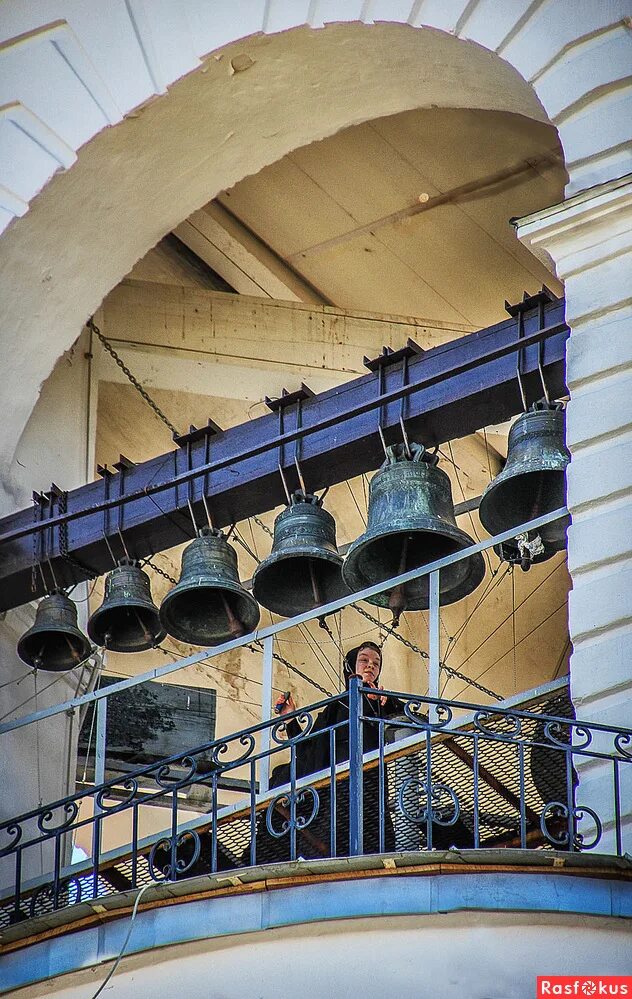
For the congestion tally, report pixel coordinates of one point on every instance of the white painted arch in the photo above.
(70, 69)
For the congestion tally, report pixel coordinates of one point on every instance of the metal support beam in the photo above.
(451, 391)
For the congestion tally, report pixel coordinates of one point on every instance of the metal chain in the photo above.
(424, 655)
(161, 572)
(63, 542)
(288, 665)
(263, 526)
(34, 548)
(128, 374)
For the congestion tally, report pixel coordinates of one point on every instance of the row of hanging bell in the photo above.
(206, 607)
(531, 484)
(411, 523)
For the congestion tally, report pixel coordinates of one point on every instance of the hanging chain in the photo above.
(288, 665)
(161, 572)
(263, 526)
(128, 374)
(63, 542)
(424, 655)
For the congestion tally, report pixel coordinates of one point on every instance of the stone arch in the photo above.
(131, 183)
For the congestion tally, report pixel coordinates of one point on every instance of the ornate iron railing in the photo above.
(348, 775)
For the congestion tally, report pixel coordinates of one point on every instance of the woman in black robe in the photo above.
(313, 755)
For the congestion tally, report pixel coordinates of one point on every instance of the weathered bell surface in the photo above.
(303, 570)
(209, 605)
(411, 523)
(532, 483)
(54, 642)
(128, 619)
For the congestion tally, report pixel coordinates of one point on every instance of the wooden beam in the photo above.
(454, 389)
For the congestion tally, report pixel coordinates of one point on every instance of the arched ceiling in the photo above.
(135, 182)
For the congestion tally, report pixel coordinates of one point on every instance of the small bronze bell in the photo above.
(411, 523)
(128, 619)
(209, 606)
(303, 570)
(532, 483)
(54, 642)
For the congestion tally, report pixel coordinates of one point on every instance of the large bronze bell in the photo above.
(209, 605)
(54, 642)
(411, 523)
(532, 483)
(128, 619)
(303, 570)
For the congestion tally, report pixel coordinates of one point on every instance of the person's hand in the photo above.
(373, 697)
(284, 705)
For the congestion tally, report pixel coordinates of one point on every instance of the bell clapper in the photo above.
(315, 588)
(148, 636)
(397, 597)
(73, 652)
(234, 626)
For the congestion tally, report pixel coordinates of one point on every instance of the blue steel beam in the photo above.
(451, 391)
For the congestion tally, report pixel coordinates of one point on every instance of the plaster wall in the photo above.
(478, 954)
(68, 74)
(590, 240)
(37, 762)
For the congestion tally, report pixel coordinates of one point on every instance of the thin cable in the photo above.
(294, 669)
(208, 665)
(505, 619)
(125, 942)
(491, 586)
(528, 635)
(17, 679)
(357, 505)
(513, 628)
(92, 721)
(327, 665)
(489, 464)
(42, 691)
(560, 662)
(469, 512)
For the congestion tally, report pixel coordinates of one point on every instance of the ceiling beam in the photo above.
(248, 264)
(452, 390)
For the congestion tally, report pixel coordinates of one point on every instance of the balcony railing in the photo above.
(339, 778)
(437, 774)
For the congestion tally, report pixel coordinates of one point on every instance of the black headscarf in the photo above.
(352, 657)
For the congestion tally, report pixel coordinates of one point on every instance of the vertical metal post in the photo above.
(434, 638)
(99, 772)
(99, 749)
(266, 712)
(356, 844)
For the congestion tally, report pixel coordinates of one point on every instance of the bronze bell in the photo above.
(209, 606)
(128, 619)
(303, 570)
(532, 483)
(411, 523)
(54, 642)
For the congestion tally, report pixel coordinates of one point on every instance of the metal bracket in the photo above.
(390, 356)
(198, 433)
(543, 297)
(289, 398)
